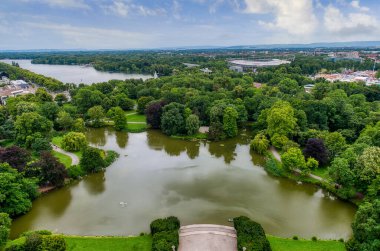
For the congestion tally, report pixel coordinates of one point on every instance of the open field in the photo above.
(141, 243)
(281, 244)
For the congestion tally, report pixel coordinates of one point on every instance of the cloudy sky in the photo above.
(126, 24)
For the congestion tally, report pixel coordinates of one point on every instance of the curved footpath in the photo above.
(74, 158)
(207, 237)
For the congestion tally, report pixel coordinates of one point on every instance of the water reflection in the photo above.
(97, 137)
(95, 184)
(121, 139)
(199, 182)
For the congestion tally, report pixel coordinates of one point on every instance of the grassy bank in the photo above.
(143, 243)
(281, 244)
(77, 243)
(63, 158)
(191, 137)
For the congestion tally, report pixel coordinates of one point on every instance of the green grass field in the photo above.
(280, 244)
(64, 159)
(136, 127)
(141, 243)
(321, 172)
(135, 117)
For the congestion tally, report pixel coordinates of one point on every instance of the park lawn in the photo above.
(281, 244)
(136, 127)
(321, 172)
(58, 142)
(140, 243)
(135, 117)
(63, 158)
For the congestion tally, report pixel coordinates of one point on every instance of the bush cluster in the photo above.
(37, 241)
(165, 233)
(250, 235)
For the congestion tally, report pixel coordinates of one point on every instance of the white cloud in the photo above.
(89, 37)
(356, 5)
(124, 8)
(75, 4)
(119, 8)
(350, 24)
(295, 16)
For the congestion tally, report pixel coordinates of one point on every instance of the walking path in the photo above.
(207, 237)
(74, 158)
(278, 157)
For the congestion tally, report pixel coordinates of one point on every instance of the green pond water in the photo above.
(199, 182)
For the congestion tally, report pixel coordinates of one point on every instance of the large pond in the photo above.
(74, 73)
(198, 182)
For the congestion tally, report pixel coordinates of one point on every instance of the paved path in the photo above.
(275, 153)
(207, 237)
(144, 123)
(74, 158)
(278, 157)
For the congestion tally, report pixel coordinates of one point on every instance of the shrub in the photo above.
(54, 243)
(273, 167)
(163, 241)
(16, 245)
(74, 172)
(111, 156)
(92, 160)
(260, 143)
(295, 237)
(5, 224)
(40, 232)
(314, 238)
(33, 242)
(250, 235)
(165, 233)
(168, 224)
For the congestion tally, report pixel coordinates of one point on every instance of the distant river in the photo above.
(74, 73)
(199, 182)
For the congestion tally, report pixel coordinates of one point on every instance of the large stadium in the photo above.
(241, 65)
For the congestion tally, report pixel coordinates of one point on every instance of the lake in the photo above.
(199, 182)
(74, 73)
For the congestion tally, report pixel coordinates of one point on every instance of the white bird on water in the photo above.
(123, 204)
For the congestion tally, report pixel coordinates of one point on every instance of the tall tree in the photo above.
(120, 119)
(316, 149)
(230, 122)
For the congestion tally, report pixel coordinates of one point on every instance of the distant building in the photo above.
(20, 83)
(14, 88)
(257, 85)
(348, 55)
(188, 65)
(251, 65)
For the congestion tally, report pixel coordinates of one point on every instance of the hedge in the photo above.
(250, 235)
(165, 233)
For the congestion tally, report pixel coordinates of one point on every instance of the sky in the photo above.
(138, 24)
